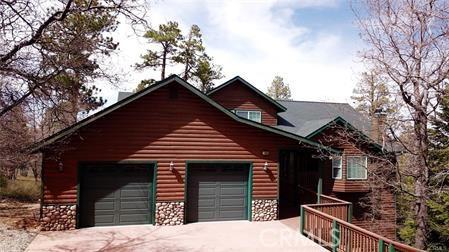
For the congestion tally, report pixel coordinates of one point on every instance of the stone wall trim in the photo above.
(169, 213)
(58, 217)
(264, 209)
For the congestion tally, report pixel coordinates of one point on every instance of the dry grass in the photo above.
(24, 189)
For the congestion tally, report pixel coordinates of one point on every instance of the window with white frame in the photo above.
(337, 167)
(252, 115)
(356, 167)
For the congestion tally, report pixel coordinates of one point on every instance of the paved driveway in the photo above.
(206, 236)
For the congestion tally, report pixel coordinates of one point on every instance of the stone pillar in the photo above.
(169, 213)
(58, 217)
(264, 209)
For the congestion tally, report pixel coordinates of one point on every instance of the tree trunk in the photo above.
(421, 216)
(422, 179)
(164, 63)
(186, 69)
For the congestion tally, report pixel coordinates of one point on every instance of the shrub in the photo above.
(3, 181)
(22, 190)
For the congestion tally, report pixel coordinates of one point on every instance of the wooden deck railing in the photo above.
(339, 235)
(328, 223)
(335, 207)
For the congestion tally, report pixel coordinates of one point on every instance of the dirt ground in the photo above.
(18, 215)
(19, 224)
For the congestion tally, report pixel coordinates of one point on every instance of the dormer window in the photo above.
(252, 115)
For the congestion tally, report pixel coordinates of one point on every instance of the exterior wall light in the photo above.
(265, 166)
(172, 166)
(60, 166)
(265, 153)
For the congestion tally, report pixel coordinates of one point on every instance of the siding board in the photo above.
(166, 130)
(239, 96)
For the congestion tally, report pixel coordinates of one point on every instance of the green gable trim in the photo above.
(173, 78)
(260, 93)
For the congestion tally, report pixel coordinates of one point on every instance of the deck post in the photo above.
(350, 213)
(381, 245)
(301, 221)
(391, 248)
(335, 234)
(320, 182)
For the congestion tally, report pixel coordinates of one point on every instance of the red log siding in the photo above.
(159, 128)
(355, 190)
(348, 149)
(238, 96)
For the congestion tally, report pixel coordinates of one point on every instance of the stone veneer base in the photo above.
(169, 213)
(58, 217)
(264, 209)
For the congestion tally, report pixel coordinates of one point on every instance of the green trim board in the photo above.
(153, 187)
(172, 79)
(244, 82)
(154, 191)
(250, 192)
(249, 185)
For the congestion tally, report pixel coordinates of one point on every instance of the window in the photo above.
(336, 167)
(356, 167)
(250, 115)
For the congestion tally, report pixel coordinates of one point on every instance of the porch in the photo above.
(324, 219)
(328, 223)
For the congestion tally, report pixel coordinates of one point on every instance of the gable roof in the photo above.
(278, 106)
(305, 118)
(173, 78)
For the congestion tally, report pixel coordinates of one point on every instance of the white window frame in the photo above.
(366, 167)
(340, 166)
(236, 111)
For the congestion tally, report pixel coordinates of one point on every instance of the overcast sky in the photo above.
(313, 44)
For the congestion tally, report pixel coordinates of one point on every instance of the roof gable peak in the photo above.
(278, 106)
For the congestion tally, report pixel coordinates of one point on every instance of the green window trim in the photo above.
(361, 165)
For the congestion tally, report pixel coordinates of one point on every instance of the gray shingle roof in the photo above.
(123, 95)
(305, 117)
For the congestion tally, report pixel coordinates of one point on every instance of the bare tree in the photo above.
(29, 69)
(408, 41)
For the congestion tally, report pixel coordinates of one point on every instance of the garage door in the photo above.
(217, 192)
(116, 194)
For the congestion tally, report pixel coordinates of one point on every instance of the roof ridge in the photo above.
(282, 100)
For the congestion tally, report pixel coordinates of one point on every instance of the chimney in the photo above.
(378, 125)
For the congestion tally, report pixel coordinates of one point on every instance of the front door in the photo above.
(288, 184)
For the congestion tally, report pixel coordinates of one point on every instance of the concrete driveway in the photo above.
(206, 236)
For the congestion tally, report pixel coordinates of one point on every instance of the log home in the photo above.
(171, 155)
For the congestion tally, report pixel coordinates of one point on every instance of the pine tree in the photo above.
(371, 94)
(205, 73)
(439, 163)
(279, 89)
(168, 36)
(144, 84)
(191, 49)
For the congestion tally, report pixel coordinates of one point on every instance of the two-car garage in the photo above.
(123, 194)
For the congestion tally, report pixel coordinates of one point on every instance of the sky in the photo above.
(312, 44)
